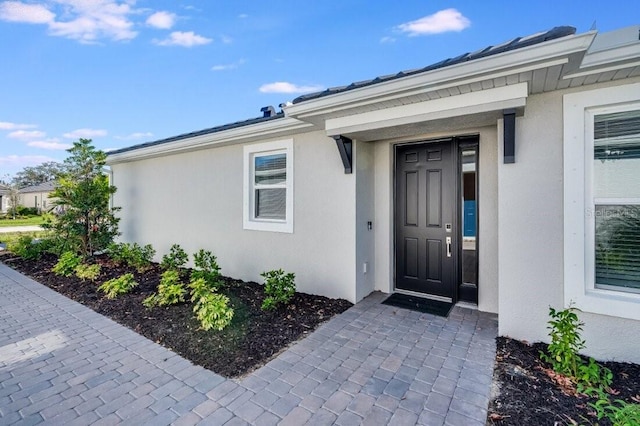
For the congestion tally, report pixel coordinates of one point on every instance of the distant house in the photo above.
(506, 179)
(4, 198)
(37, 196)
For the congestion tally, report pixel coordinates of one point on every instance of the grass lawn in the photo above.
(7, 237)
(37, 220)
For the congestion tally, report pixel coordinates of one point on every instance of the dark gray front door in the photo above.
(425, 217)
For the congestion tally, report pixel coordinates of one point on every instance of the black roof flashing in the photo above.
(516, 43)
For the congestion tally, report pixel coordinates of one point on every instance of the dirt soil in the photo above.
(253, 337)
(525, 392)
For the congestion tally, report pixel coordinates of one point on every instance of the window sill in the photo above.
(268, 226)
(605, 302)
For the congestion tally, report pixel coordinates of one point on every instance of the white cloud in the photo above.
(85, 133)
(184, 39)
(5, 125)
(226, 67)
(387, 40)
(26, 134)
(162, 20)
(285, 87)
(226, 39)
(53, 144)
(440, 22)
(135, 135)
(84, 20)
(24, 160)
(243, 16)
(16, 11)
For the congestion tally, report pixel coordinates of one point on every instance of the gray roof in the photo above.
(516, 43)
(200, 133)
(43, 187)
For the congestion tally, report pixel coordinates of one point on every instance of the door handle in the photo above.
(448, 240)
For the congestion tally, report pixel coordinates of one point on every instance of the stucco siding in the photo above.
(531, 220)
(38, 200)
(196, 199)
(365, 267)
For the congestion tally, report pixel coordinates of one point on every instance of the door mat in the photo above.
(427, 306)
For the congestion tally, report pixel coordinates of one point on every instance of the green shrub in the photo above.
(619, 412)
(175, 259)
(133, 255)
(67, 264)
(26, 247)
(211, 309)
(118, 286)
(88, 272)
(279, 288)
(170, 291)
(206, 268)
(562, 352)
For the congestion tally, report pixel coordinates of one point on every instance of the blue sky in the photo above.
(126, 72)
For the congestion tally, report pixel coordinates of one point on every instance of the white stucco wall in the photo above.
(28, 199)
(488, 203)
(195, 199)
(531, 218)
(365, 212)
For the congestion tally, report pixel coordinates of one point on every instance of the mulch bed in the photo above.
(526, 393)
(253, 337)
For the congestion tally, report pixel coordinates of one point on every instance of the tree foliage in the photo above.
(36, 175)
(84, 220)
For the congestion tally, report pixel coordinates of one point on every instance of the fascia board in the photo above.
(581, 72)
(226, 137)
(514, 61)
(609, 56)
(513, 96)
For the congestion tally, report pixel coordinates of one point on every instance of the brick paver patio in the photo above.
(61, 363)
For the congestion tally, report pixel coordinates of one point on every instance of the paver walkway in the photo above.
(61, 363)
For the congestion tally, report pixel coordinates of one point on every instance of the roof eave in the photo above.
(261, 130)
(539, 55)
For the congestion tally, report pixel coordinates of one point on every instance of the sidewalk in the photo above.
(26, 228)
(61, 363)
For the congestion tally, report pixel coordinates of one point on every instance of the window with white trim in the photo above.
(268, 186)
(616, 199)
(602, 200)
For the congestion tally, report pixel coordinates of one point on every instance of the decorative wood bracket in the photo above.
(509, 135)
(345, 147)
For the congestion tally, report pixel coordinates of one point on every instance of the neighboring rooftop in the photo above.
(43, 187)
(516, 43)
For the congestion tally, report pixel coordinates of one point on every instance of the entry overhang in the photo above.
(497, 99)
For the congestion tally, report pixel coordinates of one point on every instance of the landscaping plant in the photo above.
(206, 268)
(170, 291)
(211, 309)
(118, 286)
(175, 259)
(85, 222)
(88, 272)
(562, 353)
(619, 412)
(279, 288)
(134, 255)
(67, 264)
(25, 247)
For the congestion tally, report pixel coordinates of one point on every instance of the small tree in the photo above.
(84, 220)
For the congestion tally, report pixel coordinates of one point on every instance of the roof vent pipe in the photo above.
(268, 111)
